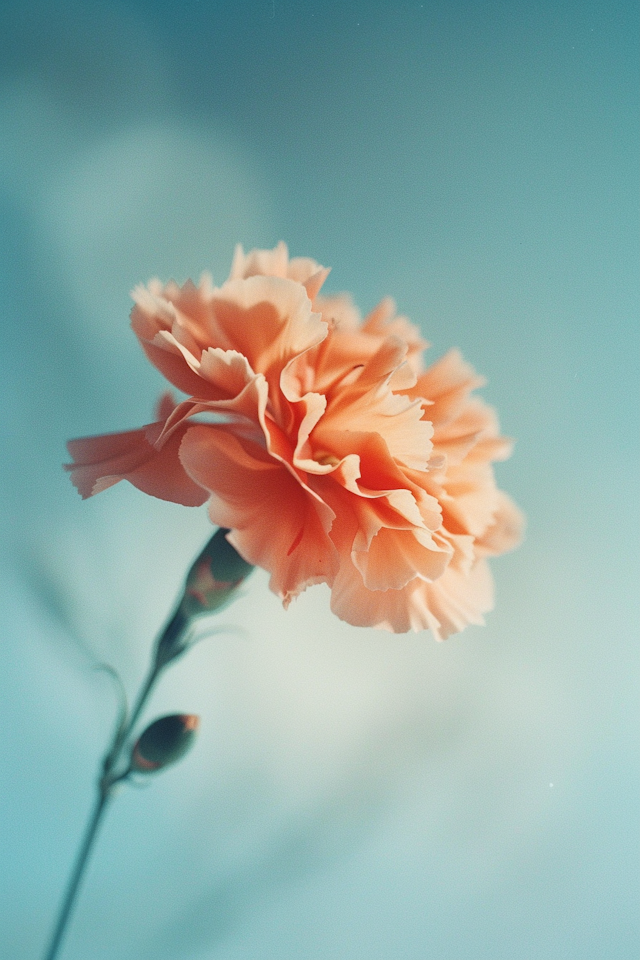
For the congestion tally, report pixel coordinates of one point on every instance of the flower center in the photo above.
(326, 459)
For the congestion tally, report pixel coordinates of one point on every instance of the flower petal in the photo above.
(266, 263)
(458, 599)
(394, 557)
(447, 384)
(393, 610)
(323, 445)
(276, 522)
(506, 530)
(172, 325)
(267, 319)
(368, 405)
(383, 323)
(102, 461)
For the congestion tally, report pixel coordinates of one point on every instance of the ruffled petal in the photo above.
(505, 532)
(458, 599)
(276, 522)
(266, 263)
(382, 322)
(447, 384)
(366, 404)
(394, 557)
(445, 607)
(470, 497)
(276, 263)
(102, 461)
(340, 311)
(395, 610)
(267, 319)
(322, 444)
(172, 324)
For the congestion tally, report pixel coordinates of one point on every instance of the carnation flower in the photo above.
(320, 442)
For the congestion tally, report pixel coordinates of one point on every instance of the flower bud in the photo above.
(214, 576)
(164, 742)
(211, 582)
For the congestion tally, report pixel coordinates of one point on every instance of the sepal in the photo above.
(164, 742)
(214, 577)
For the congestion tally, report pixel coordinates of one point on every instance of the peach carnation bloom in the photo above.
(321, 443)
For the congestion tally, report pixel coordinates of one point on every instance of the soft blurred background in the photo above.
(352, 795)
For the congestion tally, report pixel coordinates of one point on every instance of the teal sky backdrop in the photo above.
(352, 795)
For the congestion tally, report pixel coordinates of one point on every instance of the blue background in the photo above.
(352, 795)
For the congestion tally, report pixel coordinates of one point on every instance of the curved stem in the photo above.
(78, 871)
(223, 569)
(124, 733)
(106, 783)
(142, 699)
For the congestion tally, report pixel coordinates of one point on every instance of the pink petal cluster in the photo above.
(320, 442)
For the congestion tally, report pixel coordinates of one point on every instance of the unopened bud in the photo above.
(211, 583)
(213, 578)
(164, 742)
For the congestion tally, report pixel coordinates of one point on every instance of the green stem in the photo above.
(218, 570)
(122, 735)
(78, 871)
(106, 784)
